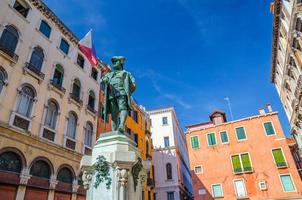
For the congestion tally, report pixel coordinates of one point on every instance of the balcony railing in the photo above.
(35, 70)
(8, 52)
(58, 86)
(76, 98)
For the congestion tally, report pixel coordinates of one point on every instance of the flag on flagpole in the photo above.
(87, 47)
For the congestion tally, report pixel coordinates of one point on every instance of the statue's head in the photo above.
(118, 62)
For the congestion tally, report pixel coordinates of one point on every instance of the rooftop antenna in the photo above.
(229, 105)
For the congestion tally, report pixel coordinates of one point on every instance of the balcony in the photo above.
(58, 86)
(32, 70)
(8, 53)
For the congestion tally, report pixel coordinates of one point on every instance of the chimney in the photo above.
(269, 107)
(261, 111)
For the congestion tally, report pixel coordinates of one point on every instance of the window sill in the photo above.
(63, 53)
(21, 16)
(12, 120)
(8, 57)
(92, 113)
(26, 70)
(78, 104)
(57, 90)
(44, 36)
(81, 68)
(220, 197)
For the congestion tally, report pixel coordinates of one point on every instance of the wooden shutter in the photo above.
(236, 163)
(279, 158)
(246, 163)
(8, 192)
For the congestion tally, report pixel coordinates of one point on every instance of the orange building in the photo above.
(247, 158)
(138, 129)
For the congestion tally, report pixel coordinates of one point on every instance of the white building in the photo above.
(169, 157)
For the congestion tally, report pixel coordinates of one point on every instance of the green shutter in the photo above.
(279, 158)
(246, 162)
(224, 137)
(236, 163)
(269, 128)
(240, 133)
(194, 142)
(211, 139)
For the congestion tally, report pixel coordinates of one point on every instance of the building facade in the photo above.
(138, 129)
(295, 153)
(48, 104)
(247, 158)
(286, 67)
(170, 157)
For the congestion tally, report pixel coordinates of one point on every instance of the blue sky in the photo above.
(189, 54)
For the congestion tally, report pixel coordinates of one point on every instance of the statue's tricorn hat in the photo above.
(115, 58)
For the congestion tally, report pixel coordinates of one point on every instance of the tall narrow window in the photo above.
(211, 139)
(164, 120)
(269, 129)
(58, 76)
(72, 125)
(169, 171)
(9, 40)
(36, 59)
(45, 29)
(80, 60)
(94, 73)
(21, 7)
(26, 100)
(240, 189)
(194, 142)
(88, 138)
(217, 190)
(240, 133)
(166, 141)
(76, 89)
(51, 115)
(279, 158)
(224, 137)
(64, 46)
(287, 183)
(91, 101)
(299, 25)
(3, 78)
(170, 196)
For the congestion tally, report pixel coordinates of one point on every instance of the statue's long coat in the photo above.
(129, 87)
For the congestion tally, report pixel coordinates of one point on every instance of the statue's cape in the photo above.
(129, 87)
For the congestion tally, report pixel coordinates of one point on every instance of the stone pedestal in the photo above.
(125, 167)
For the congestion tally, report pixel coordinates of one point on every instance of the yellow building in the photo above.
(48, 96)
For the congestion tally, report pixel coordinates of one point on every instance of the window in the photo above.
(211, 139)
(3, 79)
(21, 7)
(217, 190)
(279, 158)
(194, 142)
(72, 125)
(224, 137)
(36, 59)
(80, 61)
(299, 24)
(58, 76)
(198, 169)
(241, 163)
(169, 171)
(51, 115)
(91, 100)
(94, 73)
(240, 133)
(269, 129)
(65, 175)
(10, 161)
(135, 116)
(76, 89)
(136, 139)
(25, 101)
(88, 134)
(64, 46)
(40, 169)
(45, 29)
(166, 141)
(240, 188)
(287, 183)
(170, 195)
(9, 40)
(262, 185)
(164, 120)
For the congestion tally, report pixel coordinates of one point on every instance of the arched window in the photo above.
(169, 170)
(76, 89)
(25, 101)
(88, 134)
(9, 40)
(58, 76)
(3, 78)
(72, 125)
(65, 175)
(51, 115)
(36, 59)
(10, 161)
(40, 169)
(91, 100)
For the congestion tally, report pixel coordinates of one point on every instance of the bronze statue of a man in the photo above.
(118, 85)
